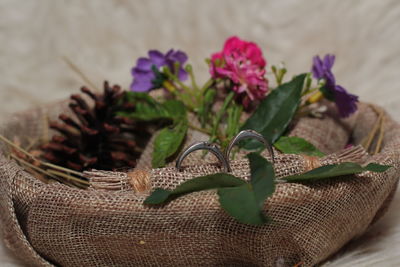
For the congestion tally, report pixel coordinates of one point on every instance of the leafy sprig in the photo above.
(242, 200)
(170, 138)
(220, 125)
(245, 201)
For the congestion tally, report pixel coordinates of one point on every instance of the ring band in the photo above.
(245, 134)
(203, 146)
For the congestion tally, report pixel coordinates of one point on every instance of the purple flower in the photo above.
(345, 102)
(143, 73)
(322, 69)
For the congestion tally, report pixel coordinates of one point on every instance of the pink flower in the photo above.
(243, 63)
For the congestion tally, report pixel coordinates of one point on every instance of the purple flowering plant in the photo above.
(146, 70)
(238, 85)
(322, 70)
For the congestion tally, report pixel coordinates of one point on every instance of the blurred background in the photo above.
(104, 39)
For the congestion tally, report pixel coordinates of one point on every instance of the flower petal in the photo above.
(139, 72)
(142, 81)
(182, 75)
(179, 56)
(231, 44)
(157, 58)
(329, 60)
(317, 68)
(143, 64)
(345, 102)
(329, 79)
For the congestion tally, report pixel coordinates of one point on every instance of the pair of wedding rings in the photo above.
(223, 157)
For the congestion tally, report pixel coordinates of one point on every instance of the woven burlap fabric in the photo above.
(49, 224)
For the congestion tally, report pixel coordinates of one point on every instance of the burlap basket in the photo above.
(107, 225)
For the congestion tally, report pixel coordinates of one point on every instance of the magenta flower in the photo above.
(345, 102)
(143, 73)
(242, 62)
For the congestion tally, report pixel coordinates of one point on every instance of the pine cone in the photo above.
(98, 139)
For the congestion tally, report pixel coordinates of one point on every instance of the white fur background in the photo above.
(104, 38)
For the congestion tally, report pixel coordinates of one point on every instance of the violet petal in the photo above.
(142, 80)
(169, 54)
(329, 60)
(182, 75)
(317, 68)
(345, 102)
(330, 79)
(144, 63)
(179, 56)
(157, 58)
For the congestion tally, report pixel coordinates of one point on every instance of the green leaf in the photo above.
(213, 181)
(374, 167)
(159, 196)
(169, 139)
(297, 145)
(275, 112)
(241, 203)
(262, 177)
(334, 170)
(246, 202)
(175, 109)
(146, 107)
(167, 142)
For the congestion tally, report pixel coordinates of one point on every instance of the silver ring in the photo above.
(249, 134)
(204, 146)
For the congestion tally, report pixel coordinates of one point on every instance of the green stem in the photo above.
(202, 130)
(234, 113)
(207, 85)
(282, 73)
(185, 98)
(274, 71)
(205, 107)
(306, 92)
(207, 132)
(320, 84)
(220, 113)
(189, 70)
(308, 82)
(279, 73)
(174, 78)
